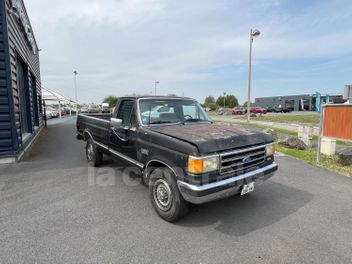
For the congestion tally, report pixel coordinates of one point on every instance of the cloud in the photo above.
(121, 12)
(196, 47)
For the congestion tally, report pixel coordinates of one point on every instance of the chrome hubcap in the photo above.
(90, 151)
(162, 194)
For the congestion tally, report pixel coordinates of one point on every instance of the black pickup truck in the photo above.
(183, 156)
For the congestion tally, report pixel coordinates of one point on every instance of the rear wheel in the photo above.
(94, 155)
(165, 196)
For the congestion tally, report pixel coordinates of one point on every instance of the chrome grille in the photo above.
(242, 160)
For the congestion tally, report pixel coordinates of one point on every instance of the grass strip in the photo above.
(309, 155)
(296, 119)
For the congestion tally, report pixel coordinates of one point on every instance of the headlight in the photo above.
(270, 149)
(199, 165)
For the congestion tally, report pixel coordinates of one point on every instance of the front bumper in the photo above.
(224, 188)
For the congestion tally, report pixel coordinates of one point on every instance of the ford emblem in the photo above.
(247, 160)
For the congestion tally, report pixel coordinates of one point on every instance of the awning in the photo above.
(50, 95)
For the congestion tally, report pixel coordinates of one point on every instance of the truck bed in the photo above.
(98, 125)
(105, 116)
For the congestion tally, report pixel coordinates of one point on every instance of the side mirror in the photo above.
(115, 122)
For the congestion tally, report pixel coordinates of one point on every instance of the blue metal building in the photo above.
(20, 87)
(301, 102)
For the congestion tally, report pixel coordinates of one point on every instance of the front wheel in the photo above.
(165, 196)
(94, 155)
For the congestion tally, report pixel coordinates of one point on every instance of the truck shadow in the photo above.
(240, 215)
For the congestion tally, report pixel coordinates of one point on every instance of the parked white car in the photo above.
(54, 112)
(48, 114)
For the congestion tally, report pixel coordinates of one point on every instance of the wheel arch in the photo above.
(87, 135)
(154, 164)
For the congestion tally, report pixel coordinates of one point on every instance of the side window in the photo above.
(190, 110)
(125, 112)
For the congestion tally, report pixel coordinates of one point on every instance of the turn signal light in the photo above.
(198, 165)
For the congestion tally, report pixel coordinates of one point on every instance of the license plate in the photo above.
(247, 188)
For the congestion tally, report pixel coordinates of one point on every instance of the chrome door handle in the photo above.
(121, 138)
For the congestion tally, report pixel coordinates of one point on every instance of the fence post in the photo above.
(321, 122)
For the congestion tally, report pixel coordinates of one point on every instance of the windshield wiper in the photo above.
(159, 122)
(192, 120)
(182, 122)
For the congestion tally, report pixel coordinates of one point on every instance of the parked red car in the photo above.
(63, 112)
(258, 110)
(239, 111)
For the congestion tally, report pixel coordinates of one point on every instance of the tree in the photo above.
(209, 100)
(230, 101)
(212, 106)
(251, 104)
(221, 101)
(111, 100)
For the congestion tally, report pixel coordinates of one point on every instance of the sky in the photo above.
(193, 48)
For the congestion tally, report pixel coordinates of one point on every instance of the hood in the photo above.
(214, 137)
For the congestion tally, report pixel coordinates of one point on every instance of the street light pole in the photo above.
(75, 77)
(253, 33)
(156, 83)
(224, 100)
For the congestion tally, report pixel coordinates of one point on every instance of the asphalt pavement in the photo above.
(56, 209)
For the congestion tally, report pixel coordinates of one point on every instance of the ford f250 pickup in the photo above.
(183, 156)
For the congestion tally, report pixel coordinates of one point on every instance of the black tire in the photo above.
(163, 182)
(93, 154)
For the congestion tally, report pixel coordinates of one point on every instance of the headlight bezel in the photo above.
(200, 165)
(270, 150)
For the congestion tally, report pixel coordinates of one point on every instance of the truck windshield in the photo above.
(163, 111)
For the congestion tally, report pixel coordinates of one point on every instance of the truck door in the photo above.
(123, 139)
